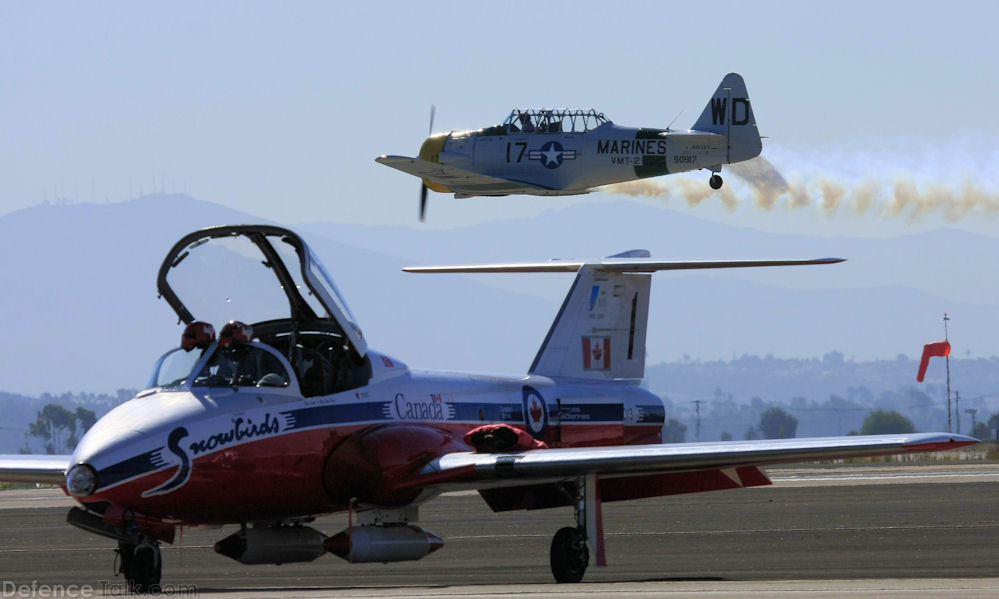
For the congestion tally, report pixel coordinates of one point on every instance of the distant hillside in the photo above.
(87, 314)
(83, 312)
(946, 263)
(887, 298)
(828, 396)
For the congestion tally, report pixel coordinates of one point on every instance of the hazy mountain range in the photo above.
(81, 311)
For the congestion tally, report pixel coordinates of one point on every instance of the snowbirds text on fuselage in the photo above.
(294, 416)
(546, 152)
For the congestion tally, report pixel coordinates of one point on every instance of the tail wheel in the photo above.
(715, 182)
(141, 565)
(569, 555)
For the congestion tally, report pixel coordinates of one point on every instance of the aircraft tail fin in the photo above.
(600, 330)
(729, 113)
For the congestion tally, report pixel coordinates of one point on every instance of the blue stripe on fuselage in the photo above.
(340, 414)
(358, 413)
(133, 466)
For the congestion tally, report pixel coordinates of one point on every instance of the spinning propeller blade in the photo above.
(423, 200)
(423, 186)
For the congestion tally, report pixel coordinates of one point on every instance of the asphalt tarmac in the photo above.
(882, 532)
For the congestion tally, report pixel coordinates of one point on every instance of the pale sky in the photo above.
(279, 109)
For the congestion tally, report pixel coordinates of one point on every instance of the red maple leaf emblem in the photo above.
(536, 412)
(597, 352)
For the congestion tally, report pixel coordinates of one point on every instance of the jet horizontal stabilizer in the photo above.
(599, 333)
(613, 264)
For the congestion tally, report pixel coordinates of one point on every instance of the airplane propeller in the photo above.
(423, 186)
(423, 200)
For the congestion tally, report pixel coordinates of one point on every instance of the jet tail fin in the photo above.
(729, 113)
(600, 330)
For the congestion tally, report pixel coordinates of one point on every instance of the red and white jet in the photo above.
(270, 424)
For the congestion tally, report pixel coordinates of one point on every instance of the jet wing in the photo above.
(467, 470)
(461, 181)
(47, 469)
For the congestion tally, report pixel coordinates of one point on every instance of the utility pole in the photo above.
(697, 409)
(957, 409)
(947, 358)
(972, 411)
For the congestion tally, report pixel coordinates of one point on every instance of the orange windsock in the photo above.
(940, 348)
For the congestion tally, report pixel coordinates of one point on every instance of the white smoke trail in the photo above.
(889, 199)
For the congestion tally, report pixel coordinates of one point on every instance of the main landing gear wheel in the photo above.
(715, 182)
(141, 565)
(569, 555)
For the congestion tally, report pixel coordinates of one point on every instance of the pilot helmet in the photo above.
(235, 331)
(197, 334)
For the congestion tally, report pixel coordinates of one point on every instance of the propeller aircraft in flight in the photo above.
(546, 152)
(269, 424)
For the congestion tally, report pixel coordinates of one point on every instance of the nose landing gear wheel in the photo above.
(569, 555)
(141, 565)
(715, 182)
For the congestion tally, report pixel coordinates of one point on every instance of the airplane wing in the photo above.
(468, 470)
(461, 181)
(48, 469)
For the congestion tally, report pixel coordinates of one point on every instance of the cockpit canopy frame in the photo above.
(318, 306)
(554, 120)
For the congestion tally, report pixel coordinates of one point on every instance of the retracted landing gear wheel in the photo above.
(141, 565)
(715, 182)
(569, 555)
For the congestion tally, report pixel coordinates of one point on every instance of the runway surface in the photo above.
(861, 532)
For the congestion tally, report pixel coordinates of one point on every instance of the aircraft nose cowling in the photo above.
(430, 151)
(370, 465)
(125, 441)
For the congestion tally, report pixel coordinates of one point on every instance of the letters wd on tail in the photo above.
(729, 113)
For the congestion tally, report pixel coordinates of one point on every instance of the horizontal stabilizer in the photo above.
(617, 265)
(600, 330)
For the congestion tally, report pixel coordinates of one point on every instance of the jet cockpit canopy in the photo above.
(260, 274)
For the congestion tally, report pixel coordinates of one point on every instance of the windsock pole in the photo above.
(947, 358)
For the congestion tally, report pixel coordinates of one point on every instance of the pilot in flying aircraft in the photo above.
(570, 152)
(286, 414)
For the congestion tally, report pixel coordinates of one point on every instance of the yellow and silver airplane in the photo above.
(569, 152)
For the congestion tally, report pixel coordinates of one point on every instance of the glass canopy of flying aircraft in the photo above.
(541, 120)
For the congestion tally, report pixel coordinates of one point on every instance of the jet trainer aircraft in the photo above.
(569, 152)
(270, 424)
